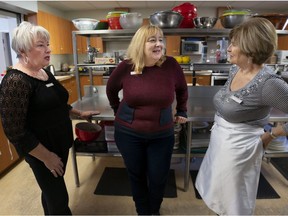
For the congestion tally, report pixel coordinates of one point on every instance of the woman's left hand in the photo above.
(87, 115)
(180, 119)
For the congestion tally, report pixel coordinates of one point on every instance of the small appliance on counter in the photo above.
(91, 54)
(51, 68)
(282, 56)
(192, 46)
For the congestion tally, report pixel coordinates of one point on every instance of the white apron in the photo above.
(229, 174)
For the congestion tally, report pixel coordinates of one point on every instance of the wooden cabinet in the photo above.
(173, 45)
(60, 31)
(202, 80)
(70, 85)
(85, 80)
(8, 154)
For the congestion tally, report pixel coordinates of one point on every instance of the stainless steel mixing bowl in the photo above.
(166, 19)
(205, 22)
(229, 21)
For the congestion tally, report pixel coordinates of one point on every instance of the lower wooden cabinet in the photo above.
(85, 80)
(8, 154)
(71, 87)
(203, 80)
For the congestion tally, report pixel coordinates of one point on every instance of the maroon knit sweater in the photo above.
(148, 97)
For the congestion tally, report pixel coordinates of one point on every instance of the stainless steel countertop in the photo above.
(200, 105)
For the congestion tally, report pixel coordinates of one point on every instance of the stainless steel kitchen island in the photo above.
(200, 109)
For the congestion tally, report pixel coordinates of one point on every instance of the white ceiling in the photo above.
(108, 4)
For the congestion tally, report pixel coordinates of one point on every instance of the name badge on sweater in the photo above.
(49, 85)
(236, 99)
(135, 73)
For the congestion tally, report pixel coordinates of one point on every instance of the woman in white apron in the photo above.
(229, 174)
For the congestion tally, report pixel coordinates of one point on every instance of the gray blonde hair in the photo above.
(24, 36)
(256, 38)
(135, 51)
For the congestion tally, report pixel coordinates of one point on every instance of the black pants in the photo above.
(54, 192)
(147, 162)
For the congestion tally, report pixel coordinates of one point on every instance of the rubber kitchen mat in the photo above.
(114, 181)
(281, 164)
(265, 190)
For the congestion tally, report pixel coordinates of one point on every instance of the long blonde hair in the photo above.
(135, 51)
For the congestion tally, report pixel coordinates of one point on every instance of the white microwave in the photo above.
(189, 47)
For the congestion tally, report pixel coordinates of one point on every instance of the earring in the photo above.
(26, 60)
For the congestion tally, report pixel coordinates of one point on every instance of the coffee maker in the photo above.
(91, 54)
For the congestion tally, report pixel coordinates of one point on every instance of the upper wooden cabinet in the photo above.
(60, 31)
(173, 44)
(96, 42)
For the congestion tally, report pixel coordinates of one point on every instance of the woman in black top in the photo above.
(36, 117)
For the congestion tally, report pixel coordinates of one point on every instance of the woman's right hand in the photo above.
(54, 164)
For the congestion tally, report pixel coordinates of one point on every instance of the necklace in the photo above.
(40, 74)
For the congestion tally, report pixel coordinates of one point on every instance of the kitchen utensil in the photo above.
(51, 68)
(205, 22)
(166, 19)
(114, 23)
(102, 25)
(189, 12)
(236, 12)
(230, 21)
(85, 23)
(91, 54)
(87, 131)
(280, 21)
(65, 67)
(115, 14)
(131, 20)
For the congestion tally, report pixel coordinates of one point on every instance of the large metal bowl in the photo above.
(278, 20)
(166, 19)
(85, 23)
(131, 20)
(205, 22)
(229, 21)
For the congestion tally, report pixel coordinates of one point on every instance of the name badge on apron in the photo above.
(49, 85)
(236, 99)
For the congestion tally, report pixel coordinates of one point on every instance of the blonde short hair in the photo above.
(24, 36)
(135, 51)
(256, 38)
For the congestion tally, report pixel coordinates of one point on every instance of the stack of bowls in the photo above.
(113, 18)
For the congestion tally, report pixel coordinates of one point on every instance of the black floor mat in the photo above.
(265, 190)
(281, 164)
(115, 182)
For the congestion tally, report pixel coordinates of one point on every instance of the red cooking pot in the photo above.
(87, 131)
(189, 12)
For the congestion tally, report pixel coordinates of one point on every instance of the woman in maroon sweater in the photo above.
(144, 121)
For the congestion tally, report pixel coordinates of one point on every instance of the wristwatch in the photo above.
(271, 134)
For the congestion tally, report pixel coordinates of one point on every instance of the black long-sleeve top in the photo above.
(34, 111)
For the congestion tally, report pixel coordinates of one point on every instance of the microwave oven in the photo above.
(189, 47)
